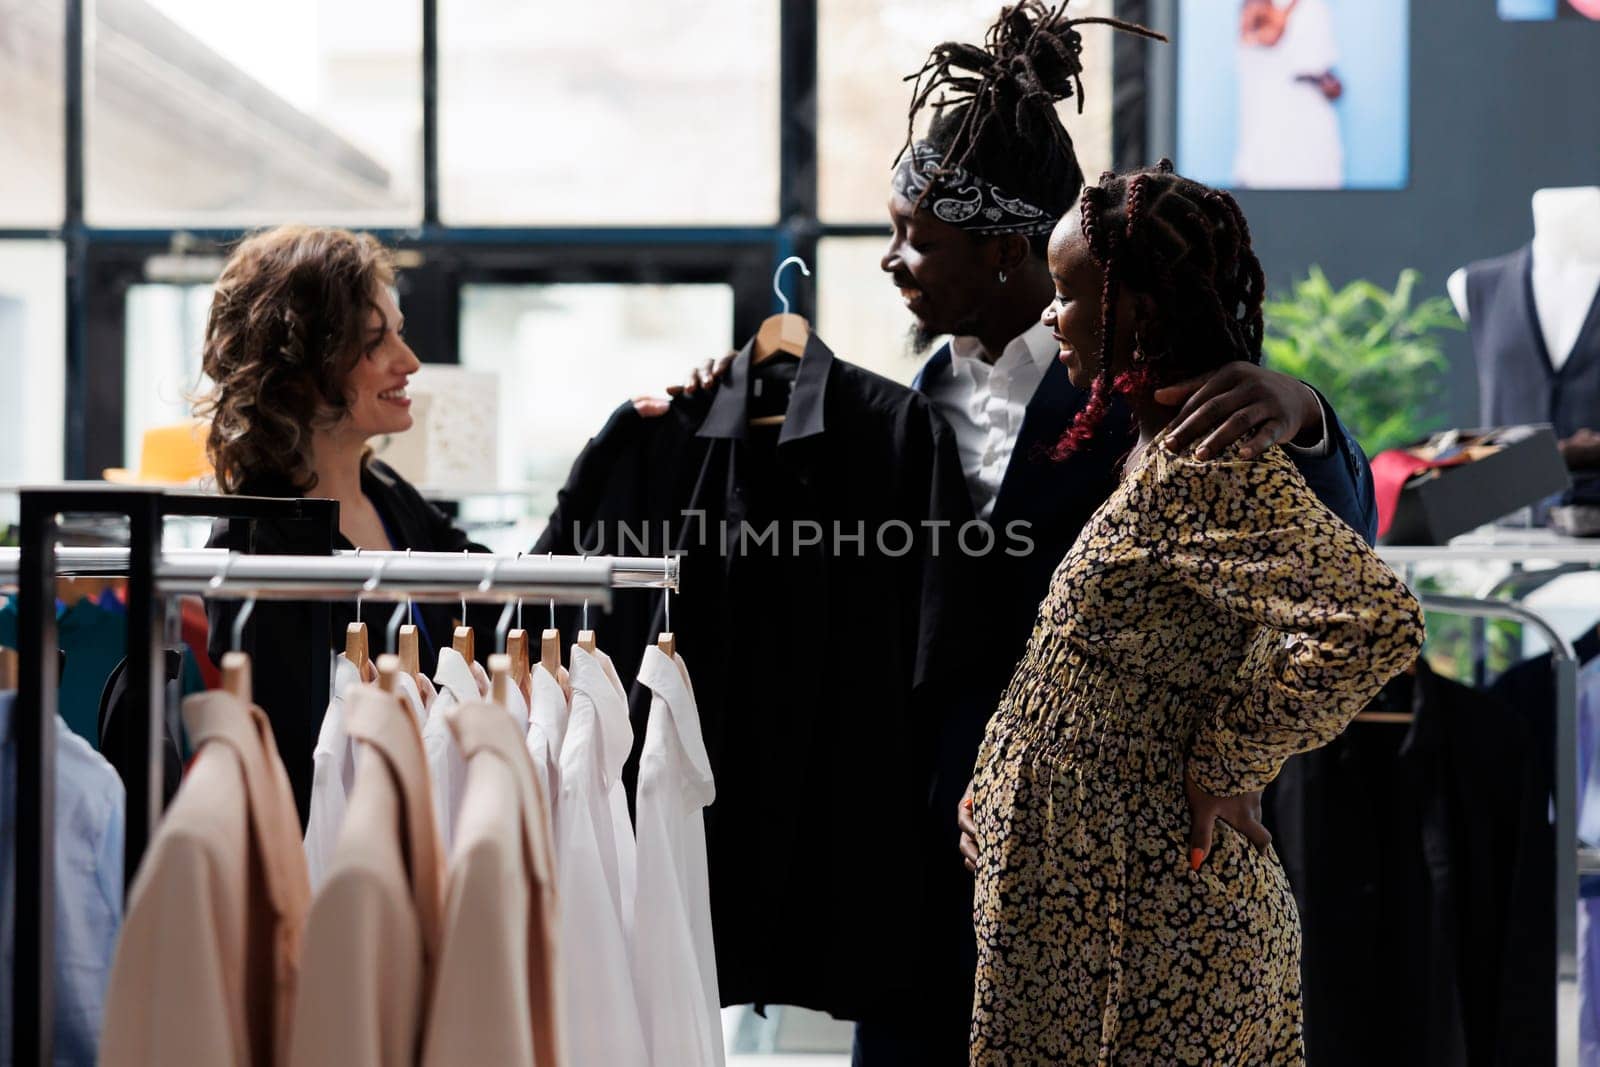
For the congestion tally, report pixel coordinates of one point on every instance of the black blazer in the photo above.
(276, 635)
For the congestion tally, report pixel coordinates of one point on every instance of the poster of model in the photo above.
(1544, 10)
(1294, 94)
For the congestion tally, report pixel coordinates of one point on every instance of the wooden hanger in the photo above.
(517, 649)
(500, 682)
(586, 640)
(355, 645)
(550, 651)
(410, 658)
(462, 642)
(388, 672)
(785, 333)
(1396, 717)
(236, 675)
(667, 643)
(8, 669)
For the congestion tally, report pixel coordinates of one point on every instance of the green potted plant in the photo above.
(1373, 353)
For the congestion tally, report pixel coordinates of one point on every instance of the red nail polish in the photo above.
(1197, 856)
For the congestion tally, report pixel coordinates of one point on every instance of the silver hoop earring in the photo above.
(1002, 277)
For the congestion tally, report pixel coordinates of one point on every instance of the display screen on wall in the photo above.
(1294, 94)
(1543, 10)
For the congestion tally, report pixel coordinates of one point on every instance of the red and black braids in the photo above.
(1186, 247)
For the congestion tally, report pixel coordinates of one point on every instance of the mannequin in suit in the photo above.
(1558, 274)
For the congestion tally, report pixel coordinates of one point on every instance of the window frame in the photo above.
(103, 262)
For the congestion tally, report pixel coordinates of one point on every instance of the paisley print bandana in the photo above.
(963, 199)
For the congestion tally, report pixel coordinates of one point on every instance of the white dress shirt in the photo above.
(675, 966)
(458, 685)
(594, 842)
(985, 403)
(547, 728)
(333, 773)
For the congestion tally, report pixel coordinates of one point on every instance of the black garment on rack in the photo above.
(116, 741)
(1421, 860)
(412, 523)
(816, 658)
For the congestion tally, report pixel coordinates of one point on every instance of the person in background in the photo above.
(978, 274)
(306, 350)
(1213, 619)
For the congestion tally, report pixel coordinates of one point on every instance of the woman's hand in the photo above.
(1242, 812)
(1239, 402)
(704, 376)
(969, 830)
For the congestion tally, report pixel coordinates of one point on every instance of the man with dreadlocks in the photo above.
(1213, 619)
(972, 206)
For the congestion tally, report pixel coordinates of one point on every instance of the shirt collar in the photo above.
(454, 674)
(549, 712)
(668, 679)
(728, 416)
(594, 677)
(1035, 342)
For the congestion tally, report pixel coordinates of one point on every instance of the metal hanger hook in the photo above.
(519, 600)
(777, 278)
(550, 556)
(394, 627)
(668, 592)
(236, 642)
(358, 594)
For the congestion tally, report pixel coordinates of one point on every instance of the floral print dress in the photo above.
(1213, 616)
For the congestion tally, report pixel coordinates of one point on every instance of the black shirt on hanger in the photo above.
(811, 622)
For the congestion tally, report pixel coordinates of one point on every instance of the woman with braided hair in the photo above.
(1213, 619)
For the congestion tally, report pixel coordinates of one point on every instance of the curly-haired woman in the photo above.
(1213, 619)
(305, 346)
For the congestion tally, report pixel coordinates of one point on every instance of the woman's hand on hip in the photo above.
(1242, 812)
(969, 830)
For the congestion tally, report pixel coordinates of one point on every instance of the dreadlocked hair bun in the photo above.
(995, 114)
(1187, 248)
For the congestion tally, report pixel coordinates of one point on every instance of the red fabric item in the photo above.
(196, 632)
(1391, 471)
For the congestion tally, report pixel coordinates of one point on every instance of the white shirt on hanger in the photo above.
(458, 684)
(333, 773)
(547, 728)
(675, 966)
(594, 865)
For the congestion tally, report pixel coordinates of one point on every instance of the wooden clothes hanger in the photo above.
(1393, 717)
(389, 673)
(236, 676)
(355, 645)
(500, 682)
(784, 333)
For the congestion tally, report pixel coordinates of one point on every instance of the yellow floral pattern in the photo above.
(1214, 615)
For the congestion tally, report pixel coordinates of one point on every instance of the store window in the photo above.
(663, 113)
(205, 113)
(867, 46)
(565, 357)
(166, 327)
(859, 311)
(32, 366)
(32, 128)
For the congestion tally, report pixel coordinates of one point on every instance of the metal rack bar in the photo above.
(374, 575)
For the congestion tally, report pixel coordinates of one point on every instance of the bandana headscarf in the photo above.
(963, 199)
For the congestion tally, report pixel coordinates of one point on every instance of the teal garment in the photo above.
(95, 640)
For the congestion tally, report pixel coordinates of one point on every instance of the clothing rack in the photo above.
(1567, 555)
(152, 574)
